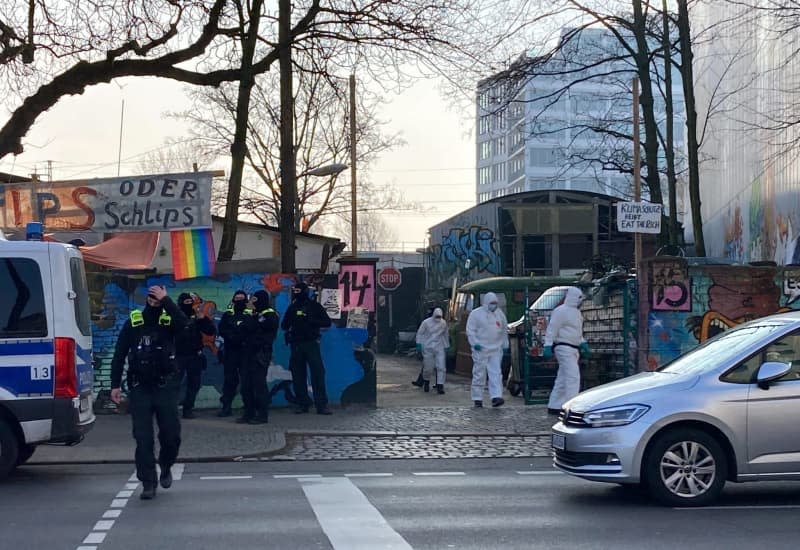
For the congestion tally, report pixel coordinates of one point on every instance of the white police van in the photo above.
(46, 373)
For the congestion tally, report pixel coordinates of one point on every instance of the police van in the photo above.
(46, 373)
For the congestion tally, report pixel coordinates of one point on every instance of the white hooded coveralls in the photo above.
(566, 327)
(434, 338)
(489, 330)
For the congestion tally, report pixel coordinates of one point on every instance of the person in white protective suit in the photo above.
(564, 338)
(432, 341)
(487, 332)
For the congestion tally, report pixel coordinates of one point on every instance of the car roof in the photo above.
(514, 283)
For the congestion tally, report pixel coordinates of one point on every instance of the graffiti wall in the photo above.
(687, 305)
(758, 224)
(349, 364)
(466, 246)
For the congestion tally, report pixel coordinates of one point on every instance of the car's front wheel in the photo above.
(9, 448)
(685, 467)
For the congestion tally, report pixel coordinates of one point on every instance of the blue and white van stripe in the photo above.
(17, 359)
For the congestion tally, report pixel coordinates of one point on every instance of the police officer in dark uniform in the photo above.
(189, 350)
(147, 340)
(302, 323)
(234, 328)
(263, 329)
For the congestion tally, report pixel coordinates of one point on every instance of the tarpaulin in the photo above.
(122, 251)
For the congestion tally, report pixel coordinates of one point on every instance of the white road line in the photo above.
(131, 486)
(177, 471)
(119, 502)
(127, 493)
(87, 547)
(753, 507)
(214, 478)
(103, 525)
(133, 477)
(296, 476)
(94, 538)
(347, 518)
(438, 473)
(376, 474)
(111, 514)
(540, 473)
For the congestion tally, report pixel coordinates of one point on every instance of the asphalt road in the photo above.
(388, 504)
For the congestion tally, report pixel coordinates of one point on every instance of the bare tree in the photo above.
(321, 139)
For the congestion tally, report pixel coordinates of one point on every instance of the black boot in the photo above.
(187, 413)
(225, 411)
(497, 401)
(258, 419)
(440, 389)
(478, 404)
(166, 478)
(427, 386)
(244, 419)
(418, 382)
(148, 491)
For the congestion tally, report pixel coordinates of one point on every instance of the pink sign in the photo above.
(357, 287)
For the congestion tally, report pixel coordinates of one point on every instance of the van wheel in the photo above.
(9, 449)
(25, 453)
(685, 467)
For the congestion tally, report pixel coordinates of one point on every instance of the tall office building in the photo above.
(559, 123)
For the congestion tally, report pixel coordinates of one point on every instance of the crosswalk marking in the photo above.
(347, 518)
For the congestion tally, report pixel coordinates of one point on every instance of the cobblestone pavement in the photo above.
(323, 447)
(420, 420)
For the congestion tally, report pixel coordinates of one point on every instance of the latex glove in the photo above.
(585, 349)
(419, 348)
(547, 353)
(477, 347)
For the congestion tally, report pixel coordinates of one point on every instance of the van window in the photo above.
(81, 301)
(22, 310)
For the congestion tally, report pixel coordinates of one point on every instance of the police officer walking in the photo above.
(234, 328)
(147, 340)
(263, 329)
(189, 350)
(302, 323)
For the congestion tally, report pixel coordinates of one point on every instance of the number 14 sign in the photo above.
(357, 287)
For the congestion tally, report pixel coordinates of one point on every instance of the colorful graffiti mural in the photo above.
(466, 246)
(350, 365)
(720, 298)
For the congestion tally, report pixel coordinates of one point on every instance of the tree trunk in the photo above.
(642, 59)
(693, 147)
(669, 151)
(287, 152)
(239, 144)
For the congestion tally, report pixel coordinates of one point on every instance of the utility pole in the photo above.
(637, 175)
(353, 204)
(287, 153)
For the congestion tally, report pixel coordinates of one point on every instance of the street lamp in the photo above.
(288, 231)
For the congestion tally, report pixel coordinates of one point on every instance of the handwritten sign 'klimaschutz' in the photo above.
(639, 217)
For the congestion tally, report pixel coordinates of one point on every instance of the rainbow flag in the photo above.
(192, 253)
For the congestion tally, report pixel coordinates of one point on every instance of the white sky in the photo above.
(80, 135)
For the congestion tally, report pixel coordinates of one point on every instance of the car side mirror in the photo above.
(771, 371)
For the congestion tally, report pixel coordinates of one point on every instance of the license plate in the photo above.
(559, 442)
(84, 404)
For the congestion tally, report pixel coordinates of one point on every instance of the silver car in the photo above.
(729, 410)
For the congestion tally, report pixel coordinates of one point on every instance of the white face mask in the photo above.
(492, 307)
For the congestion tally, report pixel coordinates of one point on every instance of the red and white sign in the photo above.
(389, 278)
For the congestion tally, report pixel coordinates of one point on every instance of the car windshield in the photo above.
(722, 349)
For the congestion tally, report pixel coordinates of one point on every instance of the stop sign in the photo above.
(389, 278)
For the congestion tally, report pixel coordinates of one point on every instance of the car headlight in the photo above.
(614, 416)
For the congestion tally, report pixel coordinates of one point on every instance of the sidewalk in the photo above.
(408, 423)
